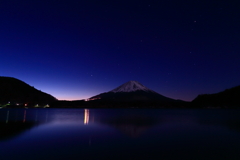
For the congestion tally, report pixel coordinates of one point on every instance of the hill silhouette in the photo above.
(17, 91)
(227, 98)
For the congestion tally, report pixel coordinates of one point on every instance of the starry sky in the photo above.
(77, 49)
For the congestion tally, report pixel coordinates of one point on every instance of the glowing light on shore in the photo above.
(86, 116)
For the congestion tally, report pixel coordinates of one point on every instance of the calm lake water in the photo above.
(66, 134)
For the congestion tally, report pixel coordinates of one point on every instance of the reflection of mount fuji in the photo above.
(133, 125)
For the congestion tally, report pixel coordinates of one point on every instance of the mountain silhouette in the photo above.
(227, 98)
(131, 91)
(17, 91)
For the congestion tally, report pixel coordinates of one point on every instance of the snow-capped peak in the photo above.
(131, 86)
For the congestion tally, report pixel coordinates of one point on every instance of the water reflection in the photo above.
(11, 129)
(225, 118)
(129, 122)
(95, 133)
(86, 116)
(131, 125)
(24, 116)
(7, 116)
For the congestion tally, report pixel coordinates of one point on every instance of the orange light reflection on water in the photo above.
(86, 116)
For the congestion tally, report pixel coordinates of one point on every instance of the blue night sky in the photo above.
(76, 49)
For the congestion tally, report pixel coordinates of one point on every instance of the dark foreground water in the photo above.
(66, 134)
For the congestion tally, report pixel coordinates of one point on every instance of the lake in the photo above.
(66, 134)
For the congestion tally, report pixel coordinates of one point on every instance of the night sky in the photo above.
(76, 49)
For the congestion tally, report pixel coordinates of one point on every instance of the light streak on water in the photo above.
(86, 116)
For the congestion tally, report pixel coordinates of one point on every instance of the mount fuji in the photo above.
(131, 86)
(131, 91)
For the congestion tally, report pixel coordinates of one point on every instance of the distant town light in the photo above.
(90, 99)
(46, 106)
